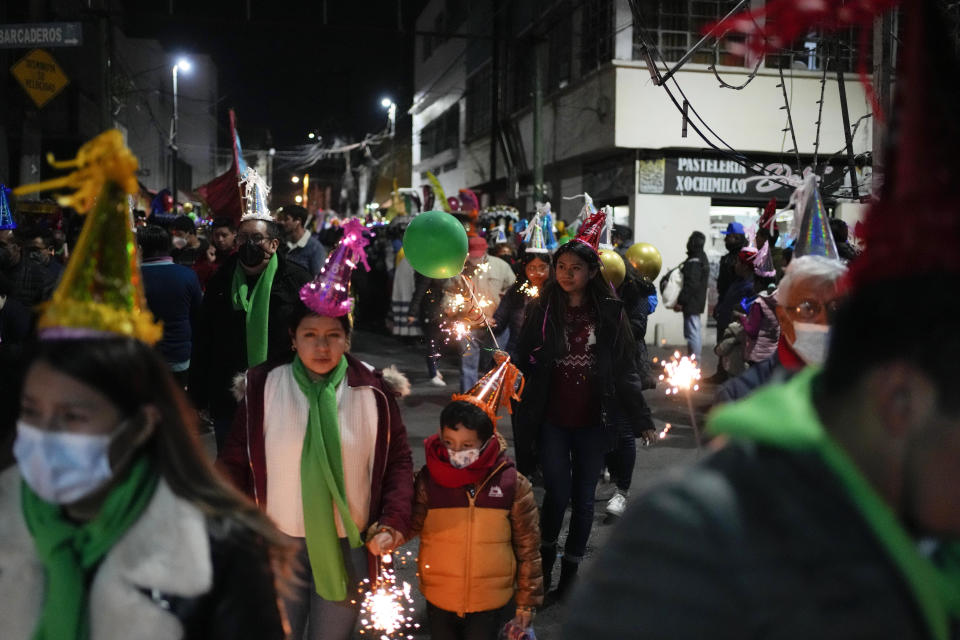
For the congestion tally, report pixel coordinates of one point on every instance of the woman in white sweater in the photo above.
(320, 445)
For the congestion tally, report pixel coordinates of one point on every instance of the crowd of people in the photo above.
(827, 506)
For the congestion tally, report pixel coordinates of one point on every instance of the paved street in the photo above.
(421, 412)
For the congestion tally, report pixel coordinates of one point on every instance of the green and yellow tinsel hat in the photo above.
(101, 291)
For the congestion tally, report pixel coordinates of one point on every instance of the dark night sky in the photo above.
(285, 70)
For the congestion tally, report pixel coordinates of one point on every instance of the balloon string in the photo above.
(476, 304)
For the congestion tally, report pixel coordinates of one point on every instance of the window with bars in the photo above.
(596, 34)
(839, 51)
(674, 26)
(441, 134)
(479, 105)
(560, 55)
(521, 70)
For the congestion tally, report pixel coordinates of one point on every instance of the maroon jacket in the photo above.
(243, 458)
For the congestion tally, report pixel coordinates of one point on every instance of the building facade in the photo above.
(114, 81)
(605, 127)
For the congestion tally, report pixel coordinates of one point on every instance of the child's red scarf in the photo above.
(446, 475)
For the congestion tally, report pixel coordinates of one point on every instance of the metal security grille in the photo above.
(441, 134)
(478, 102)
(676, 25)
(596, 41)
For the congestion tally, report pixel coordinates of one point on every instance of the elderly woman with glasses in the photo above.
(806, 299)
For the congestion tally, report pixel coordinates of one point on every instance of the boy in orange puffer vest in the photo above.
(479, 531)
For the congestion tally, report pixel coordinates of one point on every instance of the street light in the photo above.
(295, 179)
(298, 199)
(311, 135)
(391, 108)
(184, 65)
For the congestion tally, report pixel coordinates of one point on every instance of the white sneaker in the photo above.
(438, 381)
(617, 504)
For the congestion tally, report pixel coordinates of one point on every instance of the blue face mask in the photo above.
(63, 467)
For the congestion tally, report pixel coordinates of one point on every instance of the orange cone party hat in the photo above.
(101, 292)
(496, 388)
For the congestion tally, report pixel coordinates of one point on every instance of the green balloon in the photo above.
(435, 245)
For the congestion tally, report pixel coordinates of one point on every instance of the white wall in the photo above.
(666, 222)
(748, 120)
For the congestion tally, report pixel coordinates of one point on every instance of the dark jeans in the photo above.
(308, 612)
(623, 459)
(482, 625)
(571, 459)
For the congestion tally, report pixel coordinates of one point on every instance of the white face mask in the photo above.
(63, 467)
(811, 341)
(463, 459)
(179, 242)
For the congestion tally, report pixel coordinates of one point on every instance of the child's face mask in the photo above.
(463, 458)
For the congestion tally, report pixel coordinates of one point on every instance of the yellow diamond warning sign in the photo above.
(40, 76)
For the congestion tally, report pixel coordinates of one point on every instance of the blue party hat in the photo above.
(813, 237)
(546, 221)
(6, 215)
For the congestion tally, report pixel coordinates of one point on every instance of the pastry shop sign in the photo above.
(721, 178)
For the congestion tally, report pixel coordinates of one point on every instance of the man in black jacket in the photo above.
(693, 296)
(222, 346)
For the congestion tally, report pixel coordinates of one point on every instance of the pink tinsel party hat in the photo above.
(329, 294)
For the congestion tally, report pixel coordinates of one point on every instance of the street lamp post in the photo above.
(391, 108)
(182, 65)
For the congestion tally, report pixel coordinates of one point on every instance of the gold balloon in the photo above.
(646, 259)
(612, 267)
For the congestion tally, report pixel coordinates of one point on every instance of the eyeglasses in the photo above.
(243, 238)
(809, 309)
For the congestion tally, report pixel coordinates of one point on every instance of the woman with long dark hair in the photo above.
(117, 525)
(577, 351)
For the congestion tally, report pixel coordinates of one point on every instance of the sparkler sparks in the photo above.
(530, 290)
(387, 606)
(683, 373)
(666, 430)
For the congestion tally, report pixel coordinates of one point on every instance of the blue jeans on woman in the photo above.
(691, 333)
(307, 611)
(572, 460)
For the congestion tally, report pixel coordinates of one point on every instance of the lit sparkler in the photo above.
(387, 606)
(666, 430)
(530, 290)
(683, 373)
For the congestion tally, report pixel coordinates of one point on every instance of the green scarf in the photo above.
(322, 483)
(256, 304)
(935, 584)
(70, 552)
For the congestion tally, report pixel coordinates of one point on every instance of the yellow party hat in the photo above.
(101, 291)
